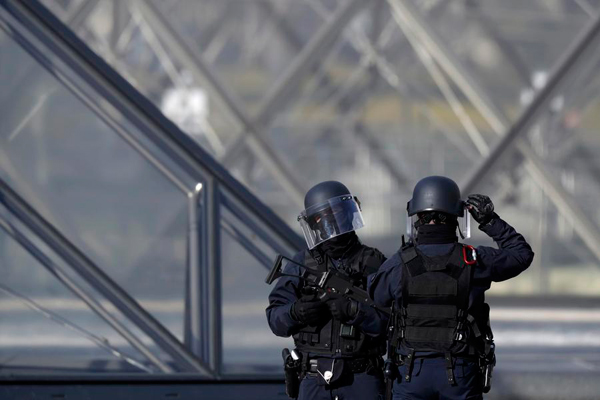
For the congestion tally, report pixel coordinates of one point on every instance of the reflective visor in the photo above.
(335, 217)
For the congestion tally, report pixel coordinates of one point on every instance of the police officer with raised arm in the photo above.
(339, 342)
(442, 338)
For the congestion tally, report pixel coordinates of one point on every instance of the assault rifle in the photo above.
(326, 283)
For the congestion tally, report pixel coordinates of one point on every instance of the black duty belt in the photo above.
(360, 365)
(354, 365)
(469, 357)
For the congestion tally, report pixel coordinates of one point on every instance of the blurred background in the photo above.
(127, 248)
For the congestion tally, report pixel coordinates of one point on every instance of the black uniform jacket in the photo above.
(512, 257)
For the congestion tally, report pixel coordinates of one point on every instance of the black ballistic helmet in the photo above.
(324, 191)
(330, 211)
(436, 193)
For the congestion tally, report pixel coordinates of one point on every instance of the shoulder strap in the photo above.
(463, 272)
(412, 260)
(369, 259)
(314, 260)
(412, 265)
(358, 265)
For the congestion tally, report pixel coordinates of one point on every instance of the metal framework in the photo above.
(246, 131)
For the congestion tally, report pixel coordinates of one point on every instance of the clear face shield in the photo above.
(464, 225)
(335, 217)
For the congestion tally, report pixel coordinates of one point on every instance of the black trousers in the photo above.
(429, 381)
(357, 387)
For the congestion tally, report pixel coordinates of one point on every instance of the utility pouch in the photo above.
(292, 362)
(329, 370)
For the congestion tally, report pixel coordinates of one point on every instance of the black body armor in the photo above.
(332, 337)
(434, 315)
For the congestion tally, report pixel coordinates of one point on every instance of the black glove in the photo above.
(309, 310)
(481, 208)
(343, 308)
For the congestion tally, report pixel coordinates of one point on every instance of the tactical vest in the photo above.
(332, 337)
(434, 315)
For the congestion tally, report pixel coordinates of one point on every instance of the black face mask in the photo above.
(436, 234)
(338, 246)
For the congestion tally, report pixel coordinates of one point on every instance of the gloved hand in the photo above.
(343, 308)
(481, 208)
(309, 310)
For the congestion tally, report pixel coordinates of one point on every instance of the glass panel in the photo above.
(106, 198)
(249, 346)
(45, 279)
(31, 341)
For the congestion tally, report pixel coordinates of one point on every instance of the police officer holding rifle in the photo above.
(320, 300)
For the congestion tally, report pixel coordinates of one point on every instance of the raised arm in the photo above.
(513, 254)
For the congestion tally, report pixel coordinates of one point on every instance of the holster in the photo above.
(390, 373)
(486, 374)
(292, 368)
(487, 364)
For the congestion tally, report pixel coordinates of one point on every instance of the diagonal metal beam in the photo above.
(281, 24)
(92, 274)
(205, 74)
(408, 17)
(313, 52)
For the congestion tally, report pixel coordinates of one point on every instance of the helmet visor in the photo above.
(464, 223)
(327, 220)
